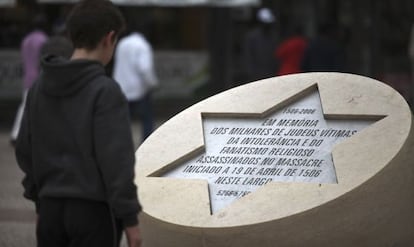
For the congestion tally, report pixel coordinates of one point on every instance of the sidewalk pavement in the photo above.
(17, 215)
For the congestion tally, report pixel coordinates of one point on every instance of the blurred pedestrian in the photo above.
(324, 53)
(75, 145)
(259, 46)
(58, 44)
(30, 49)
(290, 53)
(134, 71)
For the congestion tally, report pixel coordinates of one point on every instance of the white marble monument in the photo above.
(314, 159)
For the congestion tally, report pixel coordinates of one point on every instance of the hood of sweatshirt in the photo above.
(61, 77)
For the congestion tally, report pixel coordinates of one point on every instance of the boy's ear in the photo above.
(110, 38)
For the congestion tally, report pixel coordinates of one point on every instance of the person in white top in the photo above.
(134, 71)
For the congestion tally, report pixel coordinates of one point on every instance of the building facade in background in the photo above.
(198, 48)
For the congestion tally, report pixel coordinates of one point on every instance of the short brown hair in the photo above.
(90, 20)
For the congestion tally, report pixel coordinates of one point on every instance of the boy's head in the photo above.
(91, 20)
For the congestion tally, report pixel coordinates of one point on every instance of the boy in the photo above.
(75, 144)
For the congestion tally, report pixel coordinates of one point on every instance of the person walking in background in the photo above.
(259, 46)
(134, 71)
(290, 53)
(324, 53)
(58, 44)
(30, 52)
(75, 145)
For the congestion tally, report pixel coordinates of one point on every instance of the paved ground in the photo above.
(16, 214)
(17, 217)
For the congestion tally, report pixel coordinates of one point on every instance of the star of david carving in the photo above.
(292, 144)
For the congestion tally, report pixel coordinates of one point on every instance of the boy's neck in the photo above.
(81, 53)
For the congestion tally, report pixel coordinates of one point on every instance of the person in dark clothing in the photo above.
(75, 145)
(58, 45)
(324, 53)
(258, 48)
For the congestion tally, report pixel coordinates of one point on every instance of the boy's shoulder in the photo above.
(104, 82)
(108, 88)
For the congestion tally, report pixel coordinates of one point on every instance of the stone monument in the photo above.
(313, 159)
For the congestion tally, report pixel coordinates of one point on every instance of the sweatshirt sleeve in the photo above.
(114, 151)
(23, 154)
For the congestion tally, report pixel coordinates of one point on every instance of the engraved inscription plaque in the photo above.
(292, 144)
